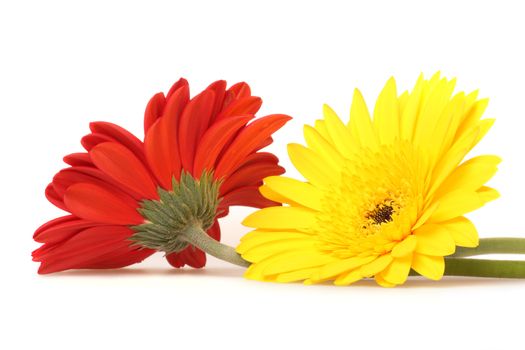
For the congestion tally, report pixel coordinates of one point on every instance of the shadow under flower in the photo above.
(234, 272)
(446, 282)
(152, 271)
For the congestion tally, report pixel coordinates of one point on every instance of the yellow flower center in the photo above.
(382, 213)
(375, 203)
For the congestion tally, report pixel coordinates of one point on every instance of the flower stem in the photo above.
(493, 246)
(195, 235)
(484, 268)
(455, 265)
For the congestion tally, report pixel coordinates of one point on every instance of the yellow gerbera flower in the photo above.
(382, 196)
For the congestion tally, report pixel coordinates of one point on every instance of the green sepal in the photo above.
(191, 202)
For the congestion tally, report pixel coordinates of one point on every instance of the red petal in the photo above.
(157, 153)
(78, 159)
(248, 140)
(175, 260)
(120, 135)
(192, 256)
(247, 196)
(222, 211)
(266, 142)
(53, 197)
(175, 107)
(214, 140)
(215, 231)
(45, 249)
(219, 88)
(261, 157)
(70, 176)
(51, 223)
(241, 90)
(229, 98)
(61, 229)
(250, 175)
(91, 140)
(121, 257)
(181, 83)
(154, 110)
(193, 123)
(160, 144)
(120, 164)
(93, 202)
(85, 249)
(248, 105)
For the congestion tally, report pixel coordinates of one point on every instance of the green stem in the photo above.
(196, 236)
(456, 265)
(493, 246)
(484, 268)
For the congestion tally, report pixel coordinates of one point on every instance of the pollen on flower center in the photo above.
(381, 214)
(190, 202)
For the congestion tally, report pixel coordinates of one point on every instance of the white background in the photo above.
(63, 64)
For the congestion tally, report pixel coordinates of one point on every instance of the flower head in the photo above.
(382, 196)
(127, 199)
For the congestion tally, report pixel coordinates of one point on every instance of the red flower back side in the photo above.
(103, 187)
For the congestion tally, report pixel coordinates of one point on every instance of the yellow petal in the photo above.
(403, 99)
(405, 247)
(313, 167)
(299, 260)
(295, 275)
(434, 240)
(258, 237)
(484, 127)
(431, 111)
(322, 146)
(470, 100)
(376, 266)
(470, 175)
(409, 115)
(386, 113)
(473, 116)
(296, 218)
(462, 231)
(487, 194)
(263, 251)
(443, 132)
(382, 282)
(340, 135)
(451, 159)
(276, 197)
(340, 266)
(320, 127)
(298, 191)
(427, 213)
(456, 203)
(397, 271)
(451, 118)
(434, 80)
(255, 270)
(348, 278)
(431, 267)
(360, 123)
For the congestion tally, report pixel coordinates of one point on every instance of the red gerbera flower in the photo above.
(192, 147)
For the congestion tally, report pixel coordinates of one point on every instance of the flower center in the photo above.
(373, 205)
(191, 202)
(381, 214)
